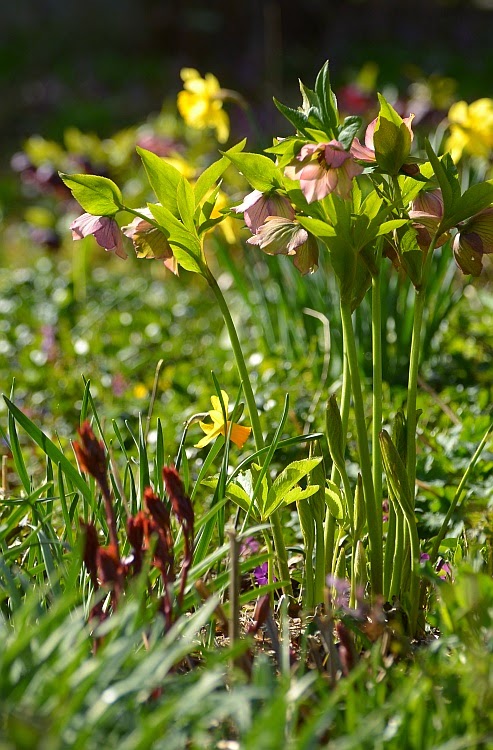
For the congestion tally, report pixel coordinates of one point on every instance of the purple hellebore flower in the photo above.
(323, 168)
(257, 207)
(473, 240)
(105, 230)
(427, 213)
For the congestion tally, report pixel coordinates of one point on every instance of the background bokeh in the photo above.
(104, 64)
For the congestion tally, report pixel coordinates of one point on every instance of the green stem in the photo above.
(372, 511)
(376, 325)
(412, 388)
(275, 520)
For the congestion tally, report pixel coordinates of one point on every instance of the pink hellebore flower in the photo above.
(257, 206)
(105, 230)
(427, 213)
(281, 236)
(149, 242)
(473, 240)
(323, 168)
(367, 152)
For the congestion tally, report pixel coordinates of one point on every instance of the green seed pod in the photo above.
(359, 509)
(360, 570)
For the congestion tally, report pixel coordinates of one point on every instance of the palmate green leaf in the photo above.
(97, 195)
(50, 449)
(164, 179)
(214, 172)
(286, 481)
(259, 171)
(293, 495)
(185, 199)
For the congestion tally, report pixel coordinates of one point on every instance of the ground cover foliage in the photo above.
(131, 640)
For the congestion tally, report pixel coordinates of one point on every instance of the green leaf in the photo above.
(446, 174)
(474, 200)
(392, 145)
(214, 172)
(317, 227)
(388, 226)
(295, 117)
(327, 99)
(97, 195)
(348, 130)
(286, 480)
(333, 499)
(185, 244)
(185, 199)
(258, 170)
(163, 178)
(396, 474)
(50, 449)
(17, 454)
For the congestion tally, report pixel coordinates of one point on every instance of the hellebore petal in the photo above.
(149, 241)
(257, 206)
(279, 236)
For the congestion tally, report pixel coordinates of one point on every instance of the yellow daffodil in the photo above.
(471, 128)
(218, 427)
(201, 103)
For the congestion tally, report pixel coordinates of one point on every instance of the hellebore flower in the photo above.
(201, 103)
(105, 230)
(219, 426)
(366, 153)
(427, 213)
(257, 207)
(473, 240)
(280, 236)
(323, 168)
(471, 128)
(149, 241)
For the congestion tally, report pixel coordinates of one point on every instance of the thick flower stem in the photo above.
(412, 388)
(376, 327)
(275, 520)
(372, 511)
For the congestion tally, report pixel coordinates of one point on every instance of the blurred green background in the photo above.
(103, 64)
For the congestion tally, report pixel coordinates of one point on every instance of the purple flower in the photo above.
(105, 230)
(473, 240)
(257, 207)
(323, 168)
(427, 213)
(261, 574)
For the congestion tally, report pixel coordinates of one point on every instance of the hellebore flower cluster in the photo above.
(271, 219)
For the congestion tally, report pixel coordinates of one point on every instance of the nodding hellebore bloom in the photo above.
(149, 241)
(220, 426)
(426, 214)
(471, 129)
(473, 240)
(104, 229)
(257, 207)
(366, 153)
(281, 236)
(323, 168)
(201, 103)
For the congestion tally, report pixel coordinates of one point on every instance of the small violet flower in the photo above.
(473, 240)
(219, 426)
(257, 207)
(323, 168)
(104, 229)
(280, 236)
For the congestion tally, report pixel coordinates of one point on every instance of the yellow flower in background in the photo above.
(218, 427)
(471, 128)
(201, 103)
